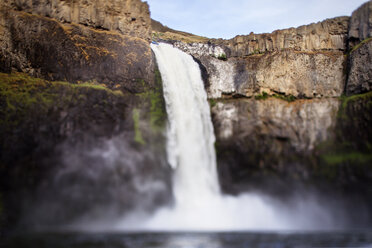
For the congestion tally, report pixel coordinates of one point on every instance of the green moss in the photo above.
(262, 96)
(222, 56)
(153, 98)
(212, 102)
(136, 124)
(351, 157)
(350, 99)
(289, 98)
(22, 95)
(360, 45)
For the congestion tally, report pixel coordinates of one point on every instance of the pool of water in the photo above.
(190, 240)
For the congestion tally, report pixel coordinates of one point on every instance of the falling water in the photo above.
(199, 205)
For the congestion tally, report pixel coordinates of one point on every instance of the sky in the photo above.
(228, 18)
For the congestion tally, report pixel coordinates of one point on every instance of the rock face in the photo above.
(278, 143)
(302, 124)
(130, 17)
(289, 72)
(361, 24)
(307, 61)
(360, 73)
(98, 130)
(260, 141)
(360, 58)
(46, 48)
(330, 34)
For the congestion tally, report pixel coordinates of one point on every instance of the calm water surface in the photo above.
(191, 240)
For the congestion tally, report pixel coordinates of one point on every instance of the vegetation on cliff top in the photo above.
(265, 95)
(22, 95)
(179, 36)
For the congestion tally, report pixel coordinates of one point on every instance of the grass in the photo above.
(346, 100)
(154, 97)
(180, 36)
(22, 95)
(222, 57)
(352, 157)
(136, 124)
(288, 98)
(360, 45)
(212, 102)
(262, 96)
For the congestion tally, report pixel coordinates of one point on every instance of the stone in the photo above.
(131, 17)
(288, 72)
(44, 47)
(361, 24)
(329, 34)
(360, 70)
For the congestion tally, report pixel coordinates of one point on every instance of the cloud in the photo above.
(227, 18)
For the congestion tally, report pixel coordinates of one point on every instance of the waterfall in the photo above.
(190, 136)
(199, 205)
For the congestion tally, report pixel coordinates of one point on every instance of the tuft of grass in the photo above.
(288, 98)
(360, 45)
(136, 124)
(212, 102)
(262, 96)
(348, 99)
(222, 56)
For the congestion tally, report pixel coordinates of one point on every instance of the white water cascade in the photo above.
(199, 204)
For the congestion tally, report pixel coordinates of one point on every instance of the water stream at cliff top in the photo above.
(198, 203)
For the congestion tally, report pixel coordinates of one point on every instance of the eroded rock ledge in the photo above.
(324, 59)
(47, 40)
(131, 17)
(311, 65)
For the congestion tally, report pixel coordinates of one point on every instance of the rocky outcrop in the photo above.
(360, 57)
(304, 62)
(276, 143)
(45, 48)
(301, 124)
(80, 93)
(67, 150)
(288, 72)
(130, 17)
(361, 24)
(330, 34)
(360, 69)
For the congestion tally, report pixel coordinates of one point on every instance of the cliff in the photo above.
(80, 92)
(305, 62)
(130, 17)
(279, 108)
(79, 89)
(330, 34)
(360, 57)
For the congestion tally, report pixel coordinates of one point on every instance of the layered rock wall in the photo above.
(361, 24)
(330, 34)
(38, 44)
(360, 57)
(131, 17)
(311, 65)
